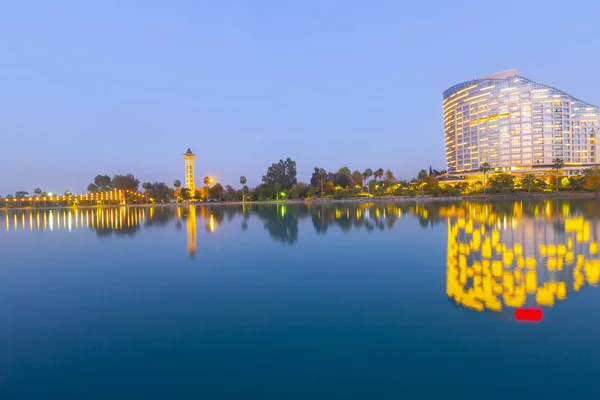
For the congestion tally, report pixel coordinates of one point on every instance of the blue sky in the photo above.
(89, 87)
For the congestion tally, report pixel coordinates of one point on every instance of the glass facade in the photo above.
(516, 124)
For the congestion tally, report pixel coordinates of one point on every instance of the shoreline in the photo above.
(352, 200)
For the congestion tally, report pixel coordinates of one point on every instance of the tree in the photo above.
(343, 177)
(160, 192)
(147, 186)
(366, 176)
(207, 182)
(318, 178)
(485, 168)
(300, 191)
(592, 180)
(37, 191)
(357, 179)
(378, 174)
(557, 164)
(216, 191)
(185, 193)
(421, 177)
(177, 191)
(243, 183)
(281, 174)
(231, 194)
(502, 182)
(528, 180)
(389, 177)
(430, 170)
(92, 188)
(125, 182)
(102, 182)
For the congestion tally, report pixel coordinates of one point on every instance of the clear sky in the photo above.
(118, 86)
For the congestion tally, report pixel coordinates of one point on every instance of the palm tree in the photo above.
(528, 180)
(366, 175)
(421, 177)
(378, 174)
(37, 192)
(147, 186)
(485, 168)
(207, 181)
(557, 164)
(177, 185)
(243, 183)
(323, 175)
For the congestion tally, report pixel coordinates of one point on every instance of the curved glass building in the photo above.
(516, 124)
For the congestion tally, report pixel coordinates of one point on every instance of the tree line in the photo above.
(280, 182)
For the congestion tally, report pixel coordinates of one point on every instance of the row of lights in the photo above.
(94, 196)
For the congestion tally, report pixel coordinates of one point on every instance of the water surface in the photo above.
(295, 301)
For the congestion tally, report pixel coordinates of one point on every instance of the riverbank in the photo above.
(351, 200)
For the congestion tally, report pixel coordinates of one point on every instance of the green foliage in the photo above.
(378, 174)
(216, 192)
(357, 179)
(389, 177)
(185, 194)
(343, 177)
(124, 182)
(485, 167)
(502, 182)
(592, 180)
(160, 192)
(265, 191)
(281, 174)
(147, 186)
(102, 182)
(300, 191)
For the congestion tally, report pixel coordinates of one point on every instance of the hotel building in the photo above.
(518, 125)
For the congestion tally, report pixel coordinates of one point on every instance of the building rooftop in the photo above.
(189, 152)
(502, 74)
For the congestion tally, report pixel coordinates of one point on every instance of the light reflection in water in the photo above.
(191, 231)
(499, 256)
(522, 262)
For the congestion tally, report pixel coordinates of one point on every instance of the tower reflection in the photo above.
(191, 232)
(500, 256)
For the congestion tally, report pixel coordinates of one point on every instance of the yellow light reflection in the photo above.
(529, 263)
(191, 231)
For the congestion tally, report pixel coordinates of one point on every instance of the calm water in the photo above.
(278, 302)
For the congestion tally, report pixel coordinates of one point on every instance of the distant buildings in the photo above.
(516, 124)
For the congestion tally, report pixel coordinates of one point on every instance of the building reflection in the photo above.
(499, 261)
(102, 220)
(501, 256)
